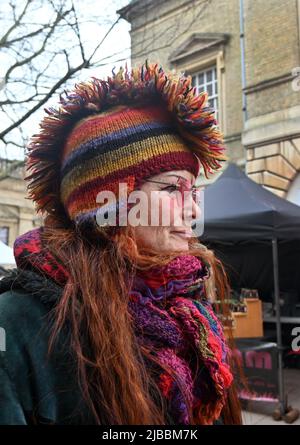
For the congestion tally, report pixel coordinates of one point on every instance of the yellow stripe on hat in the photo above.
(107, 163)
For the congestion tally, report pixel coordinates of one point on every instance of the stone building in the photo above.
(246, 55)
(17, 214)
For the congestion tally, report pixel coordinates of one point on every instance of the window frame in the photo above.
(215, 59)
(7, 234)
(213, 99)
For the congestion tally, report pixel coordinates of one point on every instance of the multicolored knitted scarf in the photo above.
(173, 318)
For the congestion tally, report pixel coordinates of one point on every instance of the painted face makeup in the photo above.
(183, 189)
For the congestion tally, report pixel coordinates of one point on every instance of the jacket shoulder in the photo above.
(22, 315)
(34, 384)
(15, 305)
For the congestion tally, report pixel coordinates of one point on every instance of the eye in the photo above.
(171, 188)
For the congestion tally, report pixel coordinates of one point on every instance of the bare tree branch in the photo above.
(101, 42)
(42, 56)
(77, 32)
(27, 60)
(20, 38)
(16, 23)
(45, 99)
(24, 101)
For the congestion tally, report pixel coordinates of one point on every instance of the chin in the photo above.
(182, 246)
(176, 242)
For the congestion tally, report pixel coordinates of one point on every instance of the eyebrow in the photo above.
(177, 176)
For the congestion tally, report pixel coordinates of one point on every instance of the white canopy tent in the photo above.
(6, 255)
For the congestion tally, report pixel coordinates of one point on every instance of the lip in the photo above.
(183, 233)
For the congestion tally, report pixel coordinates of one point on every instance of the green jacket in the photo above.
(35, 389)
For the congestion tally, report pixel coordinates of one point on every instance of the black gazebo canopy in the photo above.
(238, 209)
(257, 236)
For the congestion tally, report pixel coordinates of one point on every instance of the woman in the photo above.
(109, 322)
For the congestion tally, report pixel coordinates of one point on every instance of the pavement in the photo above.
(261, 414)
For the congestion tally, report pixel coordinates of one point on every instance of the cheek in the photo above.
(153, 237)
(168, 210)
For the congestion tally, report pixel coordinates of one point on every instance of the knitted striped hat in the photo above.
(123, 130)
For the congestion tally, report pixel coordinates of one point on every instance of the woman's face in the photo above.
(172, 208)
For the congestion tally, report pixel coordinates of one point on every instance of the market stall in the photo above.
(257, 236)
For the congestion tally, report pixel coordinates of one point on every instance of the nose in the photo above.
(190, 210)
(195, 209)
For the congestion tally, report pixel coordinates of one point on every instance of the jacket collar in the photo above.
(38, 272)
(37, 284)
(32, 253)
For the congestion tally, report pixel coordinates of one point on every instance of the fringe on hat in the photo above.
(194, 120)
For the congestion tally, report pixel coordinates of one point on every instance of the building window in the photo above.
(206, 80)
(4, 234)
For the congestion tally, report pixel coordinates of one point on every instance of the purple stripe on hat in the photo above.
(96, 142)
(156, 164)
(91, 214)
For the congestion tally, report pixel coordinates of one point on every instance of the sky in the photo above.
(116, 46)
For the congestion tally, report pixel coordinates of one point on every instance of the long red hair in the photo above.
(112, 370)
